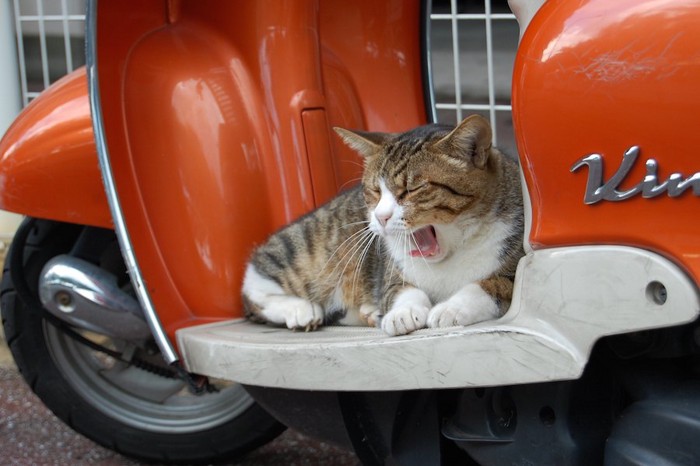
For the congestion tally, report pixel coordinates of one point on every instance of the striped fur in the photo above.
(431, 237)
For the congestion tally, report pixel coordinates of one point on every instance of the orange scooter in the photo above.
(198, 128)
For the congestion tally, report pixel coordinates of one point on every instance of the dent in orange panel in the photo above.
(48, 160)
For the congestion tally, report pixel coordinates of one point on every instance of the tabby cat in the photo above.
(431, 238)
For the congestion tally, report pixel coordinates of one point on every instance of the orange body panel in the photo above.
(48, 160)
(598, 77)
(217, 118)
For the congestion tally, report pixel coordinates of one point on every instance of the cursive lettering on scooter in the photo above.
(597, 190)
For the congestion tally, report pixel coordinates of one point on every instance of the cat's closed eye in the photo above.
(418, 186)
(452, 190)
(401, 195)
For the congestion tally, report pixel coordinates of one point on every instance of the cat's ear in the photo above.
(363, 142)
(471, 138)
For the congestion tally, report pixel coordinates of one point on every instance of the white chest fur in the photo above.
(472, 255)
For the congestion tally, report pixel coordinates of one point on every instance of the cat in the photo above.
(430, 238)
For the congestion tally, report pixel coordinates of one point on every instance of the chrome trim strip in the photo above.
(120, 228)
(429, 91)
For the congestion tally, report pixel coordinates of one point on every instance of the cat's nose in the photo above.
(383, 217)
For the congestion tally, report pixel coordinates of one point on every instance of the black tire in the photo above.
(73, 381)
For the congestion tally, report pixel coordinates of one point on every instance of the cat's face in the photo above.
(419, 184)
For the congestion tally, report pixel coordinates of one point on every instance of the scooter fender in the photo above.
(48, 160)
(217, 118)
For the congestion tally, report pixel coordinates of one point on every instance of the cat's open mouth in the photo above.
(425, 242)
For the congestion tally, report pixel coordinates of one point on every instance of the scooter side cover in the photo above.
(605, 105)
(48, 160)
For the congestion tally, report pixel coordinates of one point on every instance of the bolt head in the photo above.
(64, 301)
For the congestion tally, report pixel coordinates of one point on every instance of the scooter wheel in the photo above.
(141, 413)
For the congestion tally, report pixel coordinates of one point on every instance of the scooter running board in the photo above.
(564, 301)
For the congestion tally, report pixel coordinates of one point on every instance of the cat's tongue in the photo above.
(426, 242)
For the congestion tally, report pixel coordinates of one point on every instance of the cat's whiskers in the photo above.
(366, 222)
(415, 242)
(355, 163)
(352, 250)
(358, 266)
(359, 245)
(354, 240)
(406, 249)
(356, 246)
(393, 255)
(354, 180)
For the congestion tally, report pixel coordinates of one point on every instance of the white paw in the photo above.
(408, 313)
(468, 306)
(369, 313)
(295, 313)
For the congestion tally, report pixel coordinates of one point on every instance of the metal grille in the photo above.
(472, 47)
(50, 42)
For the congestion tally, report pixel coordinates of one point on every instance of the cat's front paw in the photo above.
(304, 315)
(408, 313)
(296, 313)
(469, 306)
(370, 314)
